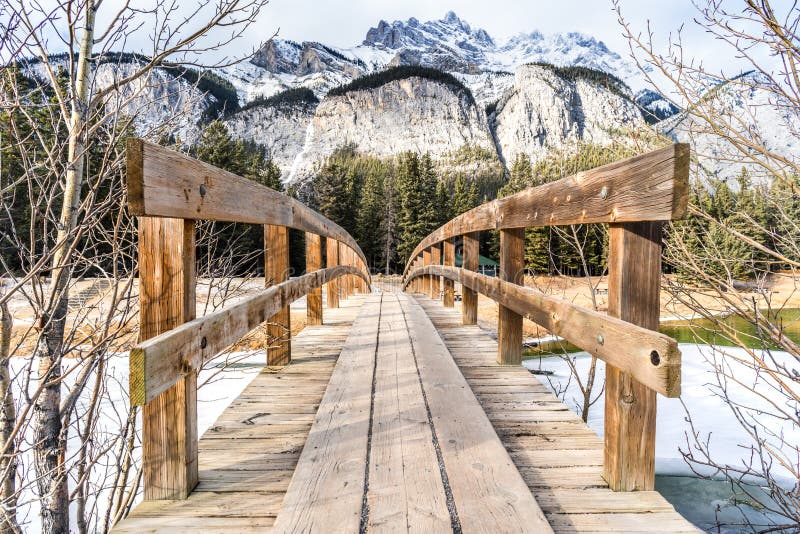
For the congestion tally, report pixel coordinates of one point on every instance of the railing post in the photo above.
(436, 259)
(509, 323)
(634, 275)
(276, 270)
(166, 300)
(313, 263)
(470, 259)
(450, 261)
(426, 279)
(332, 259)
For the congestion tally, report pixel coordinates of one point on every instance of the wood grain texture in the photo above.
(436, 259)
(427, 280)
(649, 187)
(470, 262)
(326, 490)
(313, 263)
(332, 260)
(509, 322)
(276, 271)
(165, 183)
(166, 300)
(159, 362)
(489, 493)
(244, 477)
(634, 283)
(405, 485)
(625, 345)
(559, 457)
(448, 293)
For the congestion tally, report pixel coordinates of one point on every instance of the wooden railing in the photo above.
(169, 192)
(635, 196)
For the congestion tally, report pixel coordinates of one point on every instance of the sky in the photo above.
(344, 23)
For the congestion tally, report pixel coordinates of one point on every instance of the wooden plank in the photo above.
(167, 299)
(509, 322)
(332, 259)
(622, 344)
(634, 283)
(427, 280)
(448, 296)
(276, 271)
(436, 259)
(489, 493)
(326, 490)
(159, 362)
(313, 263)
(470, 261)
(165, 183)
(649, 187)
(405, 485)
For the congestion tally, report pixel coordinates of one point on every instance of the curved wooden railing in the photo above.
(635, 196)
(169, 191)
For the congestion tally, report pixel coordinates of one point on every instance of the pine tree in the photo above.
(369, 232)
(465, 195)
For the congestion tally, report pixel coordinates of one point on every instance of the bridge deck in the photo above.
(401, 440)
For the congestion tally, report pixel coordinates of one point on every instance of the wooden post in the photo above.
(436, 259)
(313, 263)
(332, 259)
(276, 270)
(426, 279)
(509, 324)
(166, 300)
(634, 276)
(449, 285)
(351, 283)
(470, 259)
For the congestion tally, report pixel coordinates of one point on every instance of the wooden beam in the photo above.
(624, 345)
(427, 279)
(634, 283)
(448, 297)
(313, 263)
(166, 183)
(470, 260)
(276, 271)
(160, 362)
(332, 253)
(436, 259)
(509, 322)
(166, 300)
(649, 187)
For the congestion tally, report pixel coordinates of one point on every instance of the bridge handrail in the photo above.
(635, 196)
(169, 192)
(648, 187)
(617, 342)
(165, 183)
(159, 362)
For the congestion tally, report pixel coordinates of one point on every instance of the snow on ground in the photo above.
(712, 418)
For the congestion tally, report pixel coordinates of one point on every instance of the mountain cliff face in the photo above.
(415, 114)
(544, 111)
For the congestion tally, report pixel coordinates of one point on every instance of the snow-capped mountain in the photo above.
(449, 44)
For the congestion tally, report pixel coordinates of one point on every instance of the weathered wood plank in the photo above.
(332, 259)
(165, 183)
(405, 486)
(166, 300)
(470, 262)
(489, 493)
(158, 363)
(634, 282)
(649, 187)
(313, 263)
(448, 295)
(327, 487)
(509, 322)
(625, 345)
(276, 271)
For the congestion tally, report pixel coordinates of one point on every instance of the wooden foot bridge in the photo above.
(397, 412)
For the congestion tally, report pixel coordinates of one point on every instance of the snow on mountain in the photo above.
(753, 115)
